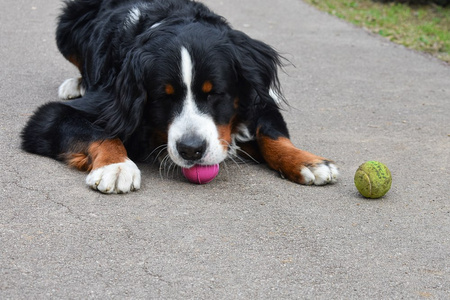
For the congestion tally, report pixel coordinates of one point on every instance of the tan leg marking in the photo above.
(99, 154)
(281, 155)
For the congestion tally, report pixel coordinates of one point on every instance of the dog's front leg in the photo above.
(111, 171)
(281, 155)
(64, 133)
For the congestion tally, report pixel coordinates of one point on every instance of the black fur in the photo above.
(125, 66)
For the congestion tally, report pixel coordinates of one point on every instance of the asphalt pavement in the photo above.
(249, 234)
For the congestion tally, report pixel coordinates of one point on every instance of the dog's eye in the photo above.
(213, 97)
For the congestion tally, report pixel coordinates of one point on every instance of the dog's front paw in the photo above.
(297, 165)
(70, 89)
(319, 173)
(115, 178)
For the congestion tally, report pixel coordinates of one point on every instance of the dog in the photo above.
(164, 76)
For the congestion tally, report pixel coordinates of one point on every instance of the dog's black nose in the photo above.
(191, 147)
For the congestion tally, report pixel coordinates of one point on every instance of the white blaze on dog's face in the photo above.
(193, 136)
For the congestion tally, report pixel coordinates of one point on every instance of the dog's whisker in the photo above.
(161, 148)
(233, 153)
(170, 168)
(238, 159)
(174, 169)
(247, 154)
(234, 161)
(163, 166)
(160, 169)
(157, 148)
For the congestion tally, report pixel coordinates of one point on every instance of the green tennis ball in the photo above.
(373, 179)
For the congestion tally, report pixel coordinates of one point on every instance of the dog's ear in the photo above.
(124, 114)
(257, 67)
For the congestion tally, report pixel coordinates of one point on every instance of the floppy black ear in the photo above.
(124, 114)
(257, 66)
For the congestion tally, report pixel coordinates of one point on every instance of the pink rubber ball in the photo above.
(200, 174)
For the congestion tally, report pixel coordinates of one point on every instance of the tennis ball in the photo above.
(373, 179)
(201, 174)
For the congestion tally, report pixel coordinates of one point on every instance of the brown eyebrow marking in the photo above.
(169, 89)
(207, 86)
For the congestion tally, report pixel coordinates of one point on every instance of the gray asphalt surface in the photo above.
(249, 234)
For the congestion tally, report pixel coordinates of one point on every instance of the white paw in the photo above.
(71, 88)
(320, 174)
(115, 178)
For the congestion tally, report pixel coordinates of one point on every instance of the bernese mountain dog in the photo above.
(158, 77)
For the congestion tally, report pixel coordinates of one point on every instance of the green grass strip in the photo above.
(423, 28)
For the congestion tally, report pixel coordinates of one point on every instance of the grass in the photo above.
(423, 28)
